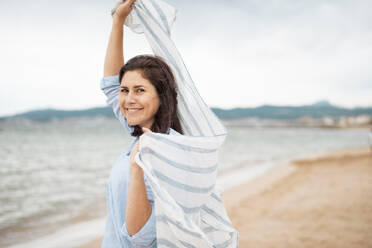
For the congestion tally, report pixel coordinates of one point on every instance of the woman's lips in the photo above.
(133, 110)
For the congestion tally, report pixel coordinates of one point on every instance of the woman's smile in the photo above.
(133, 110)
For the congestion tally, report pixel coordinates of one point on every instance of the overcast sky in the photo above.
(239, 52)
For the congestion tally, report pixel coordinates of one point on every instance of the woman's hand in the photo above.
(135, 149)
(122, 10)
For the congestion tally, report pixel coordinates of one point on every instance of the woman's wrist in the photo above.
(118, 22)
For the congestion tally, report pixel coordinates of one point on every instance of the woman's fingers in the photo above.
(134, 150)
(136, 146)
(122, 9)
(145, 130)
(131, 1)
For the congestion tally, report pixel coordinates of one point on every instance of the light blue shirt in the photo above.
(116, 234)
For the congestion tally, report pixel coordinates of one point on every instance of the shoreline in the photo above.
(323, 201)
(237, 201)
(279, 172)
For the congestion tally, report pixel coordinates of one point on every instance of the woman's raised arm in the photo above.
(114, 59)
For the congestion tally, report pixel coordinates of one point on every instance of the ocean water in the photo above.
(51, 172)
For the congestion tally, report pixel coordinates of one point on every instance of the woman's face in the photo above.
(138, 98)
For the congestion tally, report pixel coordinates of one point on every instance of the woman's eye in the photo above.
(126, 90)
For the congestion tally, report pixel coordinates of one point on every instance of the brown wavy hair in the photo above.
(156, 70)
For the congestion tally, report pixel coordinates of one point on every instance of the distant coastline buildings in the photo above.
(361, 121)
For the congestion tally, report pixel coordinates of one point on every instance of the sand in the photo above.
(319, 202)
(324, 202)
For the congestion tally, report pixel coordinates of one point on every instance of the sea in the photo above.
(54, 173)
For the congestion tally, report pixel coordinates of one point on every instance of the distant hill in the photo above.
(323, 103)
(317, 110)
(48, 114)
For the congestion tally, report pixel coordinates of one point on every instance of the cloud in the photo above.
(239, 52)
(290, 52)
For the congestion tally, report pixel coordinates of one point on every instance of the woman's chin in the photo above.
(133, 123)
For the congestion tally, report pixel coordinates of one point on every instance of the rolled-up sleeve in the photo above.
(111, 88)
(146, 236)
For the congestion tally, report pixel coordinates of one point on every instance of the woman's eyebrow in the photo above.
(136, 86)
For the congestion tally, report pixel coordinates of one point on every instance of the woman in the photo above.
(144, 99)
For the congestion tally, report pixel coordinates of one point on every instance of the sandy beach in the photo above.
(322, 202)
(318, 202)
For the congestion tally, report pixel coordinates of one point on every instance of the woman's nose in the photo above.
(130, 97)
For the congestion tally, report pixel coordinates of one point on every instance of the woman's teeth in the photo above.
(133, 110)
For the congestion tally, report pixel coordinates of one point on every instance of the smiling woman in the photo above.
(161, 192)
(143, 95)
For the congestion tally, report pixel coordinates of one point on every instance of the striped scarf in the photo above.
(181, 169)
